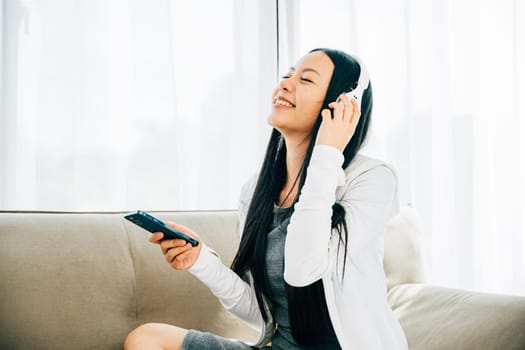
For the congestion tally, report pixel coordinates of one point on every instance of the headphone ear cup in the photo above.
(362, 82)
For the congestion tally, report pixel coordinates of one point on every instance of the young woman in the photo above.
(309, 270)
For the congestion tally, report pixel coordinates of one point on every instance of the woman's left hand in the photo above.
(178, 253)
(338, 131)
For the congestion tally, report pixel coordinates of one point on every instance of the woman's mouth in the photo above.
(279, 101)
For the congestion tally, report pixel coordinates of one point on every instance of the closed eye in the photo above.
(302, 79)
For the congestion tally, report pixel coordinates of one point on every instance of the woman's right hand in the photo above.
(180, 254)
(337, 131)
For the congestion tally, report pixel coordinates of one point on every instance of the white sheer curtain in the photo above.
(128, 104)
(161, 104)
(449, 88)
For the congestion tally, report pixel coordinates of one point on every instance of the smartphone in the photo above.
(152, 224)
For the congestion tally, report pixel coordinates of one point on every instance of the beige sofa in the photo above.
(84, 280)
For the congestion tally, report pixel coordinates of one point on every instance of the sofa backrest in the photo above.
(84, 280)
(403, 259)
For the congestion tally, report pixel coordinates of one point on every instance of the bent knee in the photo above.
(155, 335)
(141, 336)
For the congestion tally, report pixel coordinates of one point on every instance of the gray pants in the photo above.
(197, 340)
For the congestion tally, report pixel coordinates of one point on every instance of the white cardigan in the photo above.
(360, 314)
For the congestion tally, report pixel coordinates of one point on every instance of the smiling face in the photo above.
(298, 99)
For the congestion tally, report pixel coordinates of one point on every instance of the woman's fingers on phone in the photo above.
(156, 237)
(173, 253)
(184, 260)
(183, 229)
(180, 254)
(184, 254)
(170, 244)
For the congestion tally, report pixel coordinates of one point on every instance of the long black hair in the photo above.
(306, 305)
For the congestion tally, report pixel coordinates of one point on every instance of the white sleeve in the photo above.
(368, 202)
(235, 294)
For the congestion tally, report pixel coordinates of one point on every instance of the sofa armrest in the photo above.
(446, 318)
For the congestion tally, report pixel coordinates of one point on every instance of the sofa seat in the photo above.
(84, 280)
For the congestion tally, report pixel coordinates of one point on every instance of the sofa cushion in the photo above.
(439, 318)
(85, 280)
(66, 281)
(403, 259)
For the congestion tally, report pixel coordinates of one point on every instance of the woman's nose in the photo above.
(286, 84)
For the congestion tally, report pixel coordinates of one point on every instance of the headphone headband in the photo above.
(362, 82)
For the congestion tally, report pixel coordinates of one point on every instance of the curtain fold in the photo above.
(448, 114)
(126, 104)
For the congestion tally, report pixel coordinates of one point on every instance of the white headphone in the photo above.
(362, 83)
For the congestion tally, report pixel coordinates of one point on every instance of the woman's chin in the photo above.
(278, 119)
(271, 120)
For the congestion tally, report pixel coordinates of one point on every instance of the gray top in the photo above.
(283, 338)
